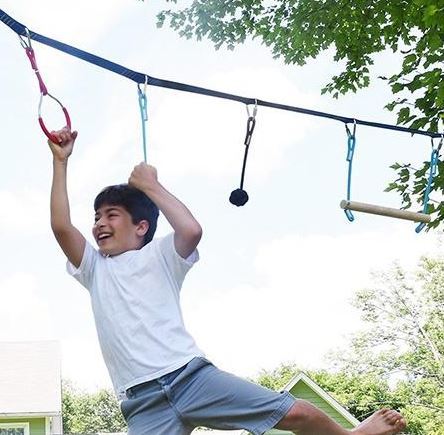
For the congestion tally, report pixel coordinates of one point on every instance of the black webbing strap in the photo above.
(20, 29)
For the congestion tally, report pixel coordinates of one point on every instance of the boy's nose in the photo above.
(99, 223)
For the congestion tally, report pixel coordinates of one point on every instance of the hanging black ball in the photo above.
(238, 197)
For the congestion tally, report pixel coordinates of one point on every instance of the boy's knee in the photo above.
(296, 416)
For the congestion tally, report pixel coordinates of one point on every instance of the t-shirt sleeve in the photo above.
(177, 265)
(85, 272)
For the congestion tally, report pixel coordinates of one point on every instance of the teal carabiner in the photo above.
(434, 160)
(143, 106)
(351, 142)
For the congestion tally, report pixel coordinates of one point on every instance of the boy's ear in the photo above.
(142, 228)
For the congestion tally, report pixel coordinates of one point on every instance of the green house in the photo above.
(30, 388)
(302, 387)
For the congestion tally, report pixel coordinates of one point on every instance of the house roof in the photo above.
(30, 378)
(302, 377)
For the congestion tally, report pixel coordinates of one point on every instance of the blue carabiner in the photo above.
(434, 160)
(351, 142)
(143, 106)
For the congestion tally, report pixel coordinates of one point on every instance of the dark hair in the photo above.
(135, 202)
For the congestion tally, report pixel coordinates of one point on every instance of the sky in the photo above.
(276, 276)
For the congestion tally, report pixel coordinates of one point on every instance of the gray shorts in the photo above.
(199, 394)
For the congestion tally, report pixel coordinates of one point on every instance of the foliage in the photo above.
(278, 378)
(297, 30)
(411, 184)
(404, 341)
(85, 413)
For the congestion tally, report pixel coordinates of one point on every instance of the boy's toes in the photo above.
(392, 416)
(383, 412)
(400, 424)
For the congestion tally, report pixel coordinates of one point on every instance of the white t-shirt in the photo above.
(136, 305)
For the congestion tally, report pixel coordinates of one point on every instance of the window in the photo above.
(14, 428)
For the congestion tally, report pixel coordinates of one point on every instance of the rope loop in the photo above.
(251, 123)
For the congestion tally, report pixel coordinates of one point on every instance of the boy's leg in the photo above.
(147, 410)
(305, 419)
(206, 396)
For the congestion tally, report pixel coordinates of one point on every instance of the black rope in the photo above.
(239, 196)
(20, 29)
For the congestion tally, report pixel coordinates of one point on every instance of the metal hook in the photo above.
(23, 42)
(351, 142)
(440, 143)
(143, 100)
(254, 110)
(349, 133)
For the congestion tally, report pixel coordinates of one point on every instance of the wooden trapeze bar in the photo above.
(385, 211)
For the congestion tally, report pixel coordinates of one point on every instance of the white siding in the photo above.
(30, 379)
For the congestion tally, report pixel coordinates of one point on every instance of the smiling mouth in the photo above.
(102, 237)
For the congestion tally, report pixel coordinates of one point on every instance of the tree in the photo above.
(85, 413)
(404, 341)
(297, 30)
(397, 359)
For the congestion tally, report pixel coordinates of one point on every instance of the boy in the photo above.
(166, 385)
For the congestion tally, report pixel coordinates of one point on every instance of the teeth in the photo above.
(103, 236)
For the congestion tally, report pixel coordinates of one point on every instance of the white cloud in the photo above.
(83, 363)
(299, 308)
(70, 20)
(24, 212)
(24, 314)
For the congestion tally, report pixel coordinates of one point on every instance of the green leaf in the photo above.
(397, 87)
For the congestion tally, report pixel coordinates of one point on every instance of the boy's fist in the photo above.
(143, 177)
(63, 149)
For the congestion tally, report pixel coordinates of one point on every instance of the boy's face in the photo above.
(115, 232)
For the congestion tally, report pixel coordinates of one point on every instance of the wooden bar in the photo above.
(385, 211)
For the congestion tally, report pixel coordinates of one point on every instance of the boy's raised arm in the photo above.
(187, 231)
(69, 237)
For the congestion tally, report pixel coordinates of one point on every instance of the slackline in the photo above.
(141, 78)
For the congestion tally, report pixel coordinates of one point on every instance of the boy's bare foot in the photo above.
(382, 422)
